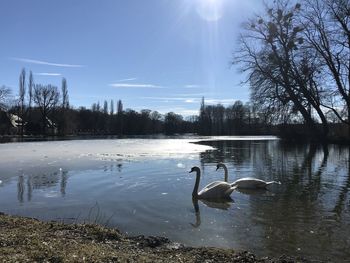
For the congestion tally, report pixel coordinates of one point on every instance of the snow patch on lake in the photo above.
(43, 157)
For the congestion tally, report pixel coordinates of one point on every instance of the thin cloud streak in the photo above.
(219, 101)
(167, 99)
(192, 86)
(129, 79)
(210, 101)
(40, 62)
(47, 74)
(136, 85)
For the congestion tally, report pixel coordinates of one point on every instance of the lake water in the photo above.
(142, 186)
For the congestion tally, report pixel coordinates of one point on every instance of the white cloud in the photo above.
(129, 79)
(47, 74)
(219, 101)
(167, 99)
(40, 62)
(136, 85)
(191, 101)
(192, 86)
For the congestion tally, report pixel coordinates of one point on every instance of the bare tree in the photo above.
(21, 97)
(30, 89)
(172, 123)
(63, 119)
(65, 97)
(327, 31)
(205, 122)
(280, 70)
(46, 97)
(105, 107)
(94, 107)
(4, 94)
(120, 117)
(111, 107)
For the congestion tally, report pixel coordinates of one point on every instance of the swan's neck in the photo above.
(226, 173)
(196, 185)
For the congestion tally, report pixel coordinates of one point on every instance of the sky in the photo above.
(162, 55)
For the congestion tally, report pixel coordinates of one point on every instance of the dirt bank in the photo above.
(30, 240)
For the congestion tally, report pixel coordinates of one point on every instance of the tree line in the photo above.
(297, 59)
(45, 110)
(235, 119)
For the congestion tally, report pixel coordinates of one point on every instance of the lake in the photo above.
(142, 186)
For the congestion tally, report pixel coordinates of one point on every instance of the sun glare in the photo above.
(210, 10)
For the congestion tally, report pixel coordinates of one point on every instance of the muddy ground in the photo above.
(29, 240)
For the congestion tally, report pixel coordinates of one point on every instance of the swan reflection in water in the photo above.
(256, 192)
(223, 204)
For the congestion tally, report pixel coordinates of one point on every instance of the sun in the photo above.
(210, 10)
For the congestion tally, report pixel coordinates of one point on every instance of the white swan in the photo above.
(213, 191)
(246, 182)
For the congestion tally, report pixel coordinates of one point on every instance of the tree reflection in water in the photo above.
(314, 191)
(28, 183)
(42, 181)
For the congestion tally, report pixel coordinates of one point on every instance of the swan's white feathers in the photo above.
(247, 182)
(216, 190)
(252, 183)
(212, 184)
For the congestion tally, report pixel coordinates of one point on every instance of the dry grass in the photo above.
(29, 240)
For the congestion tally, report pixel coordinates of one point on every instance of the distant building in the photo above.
(10, 123)
(16, 121)
(51, 127)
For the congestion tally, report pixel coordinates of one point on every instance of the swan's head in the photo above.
(194, 169)
(219, 165)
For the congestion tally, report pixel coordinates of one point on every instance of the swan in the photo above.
(246, 182)
(214, 190)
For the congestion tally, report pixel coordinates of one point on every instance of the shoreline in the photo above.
(28, 239)
(281, 137)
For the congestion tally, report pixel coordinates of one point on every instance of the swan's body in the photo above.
(252, 183)
(215, 190)
(246, 182)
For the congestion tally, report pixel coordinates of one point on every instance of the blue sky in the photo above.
(157, 54)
